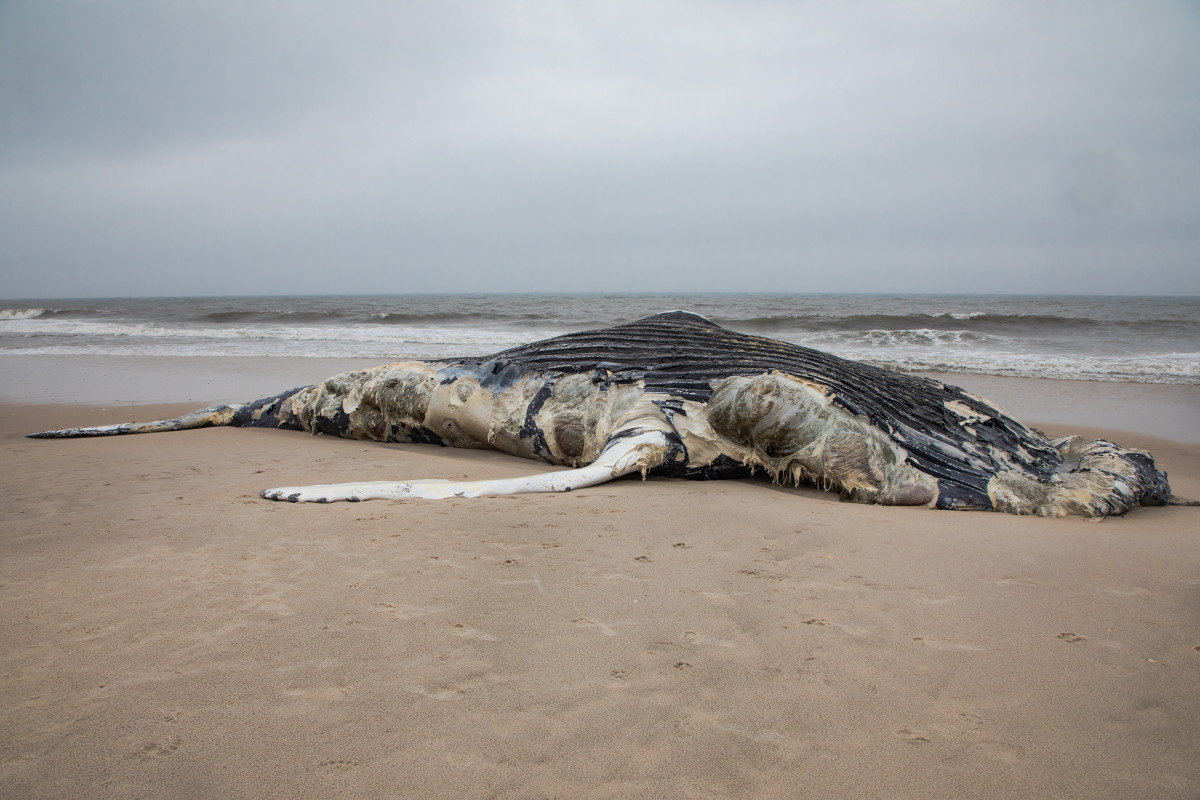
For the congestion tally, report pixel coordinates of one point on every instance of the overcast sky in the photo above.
(210, 147)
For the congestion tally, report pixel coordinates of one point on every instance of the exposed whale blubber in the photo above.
(677, 395)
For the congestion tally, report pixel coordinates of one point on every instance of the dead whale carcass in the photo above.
(677, 395)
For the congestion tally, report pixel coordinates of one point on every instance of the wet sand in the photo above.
(169, 634)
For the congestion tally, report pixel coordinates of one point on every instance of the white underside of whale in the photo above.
(639, 453)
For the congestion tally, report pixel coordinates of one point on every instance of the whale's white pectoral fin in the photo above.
(622, 456)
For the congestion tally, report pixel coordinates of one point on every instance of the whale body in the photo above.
(677, 395)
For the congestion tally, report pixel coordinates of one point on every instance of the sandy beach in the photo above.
(169, 634)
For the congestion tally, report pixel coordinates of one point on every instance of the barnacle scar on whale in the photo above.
(677, 395)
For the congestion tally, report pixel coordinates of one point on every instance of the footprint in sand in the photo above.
(444, 694)
(691, 637)
(719, 599)
(1013, 581)
(968, 729)
(847, 627)
(409, 612)
(942, 644)
(588, 622)
(319, 692)
(928, 598)
(972, 728)
(159, 749)
(472, 633)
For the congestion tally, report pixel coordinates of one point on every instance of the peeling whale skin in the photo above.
(677, 395)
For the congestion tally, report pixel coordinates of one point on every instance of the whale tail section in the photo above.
(269, 412)
(213, 417)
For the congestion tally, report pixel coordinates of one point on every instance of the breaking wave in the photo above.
(1139, 340)
(21, 313)
(1167, 368)
(980, 321)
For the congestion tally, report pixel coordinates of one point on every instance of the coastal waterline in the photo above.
(1121, 339)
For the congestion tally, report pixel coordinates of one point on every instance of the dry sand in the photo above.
(168, 634)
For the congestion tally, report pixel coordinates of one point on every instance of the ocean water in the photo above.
(1122, 339)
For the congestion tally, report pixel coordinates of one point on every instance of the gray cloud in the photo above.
(150, 147)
